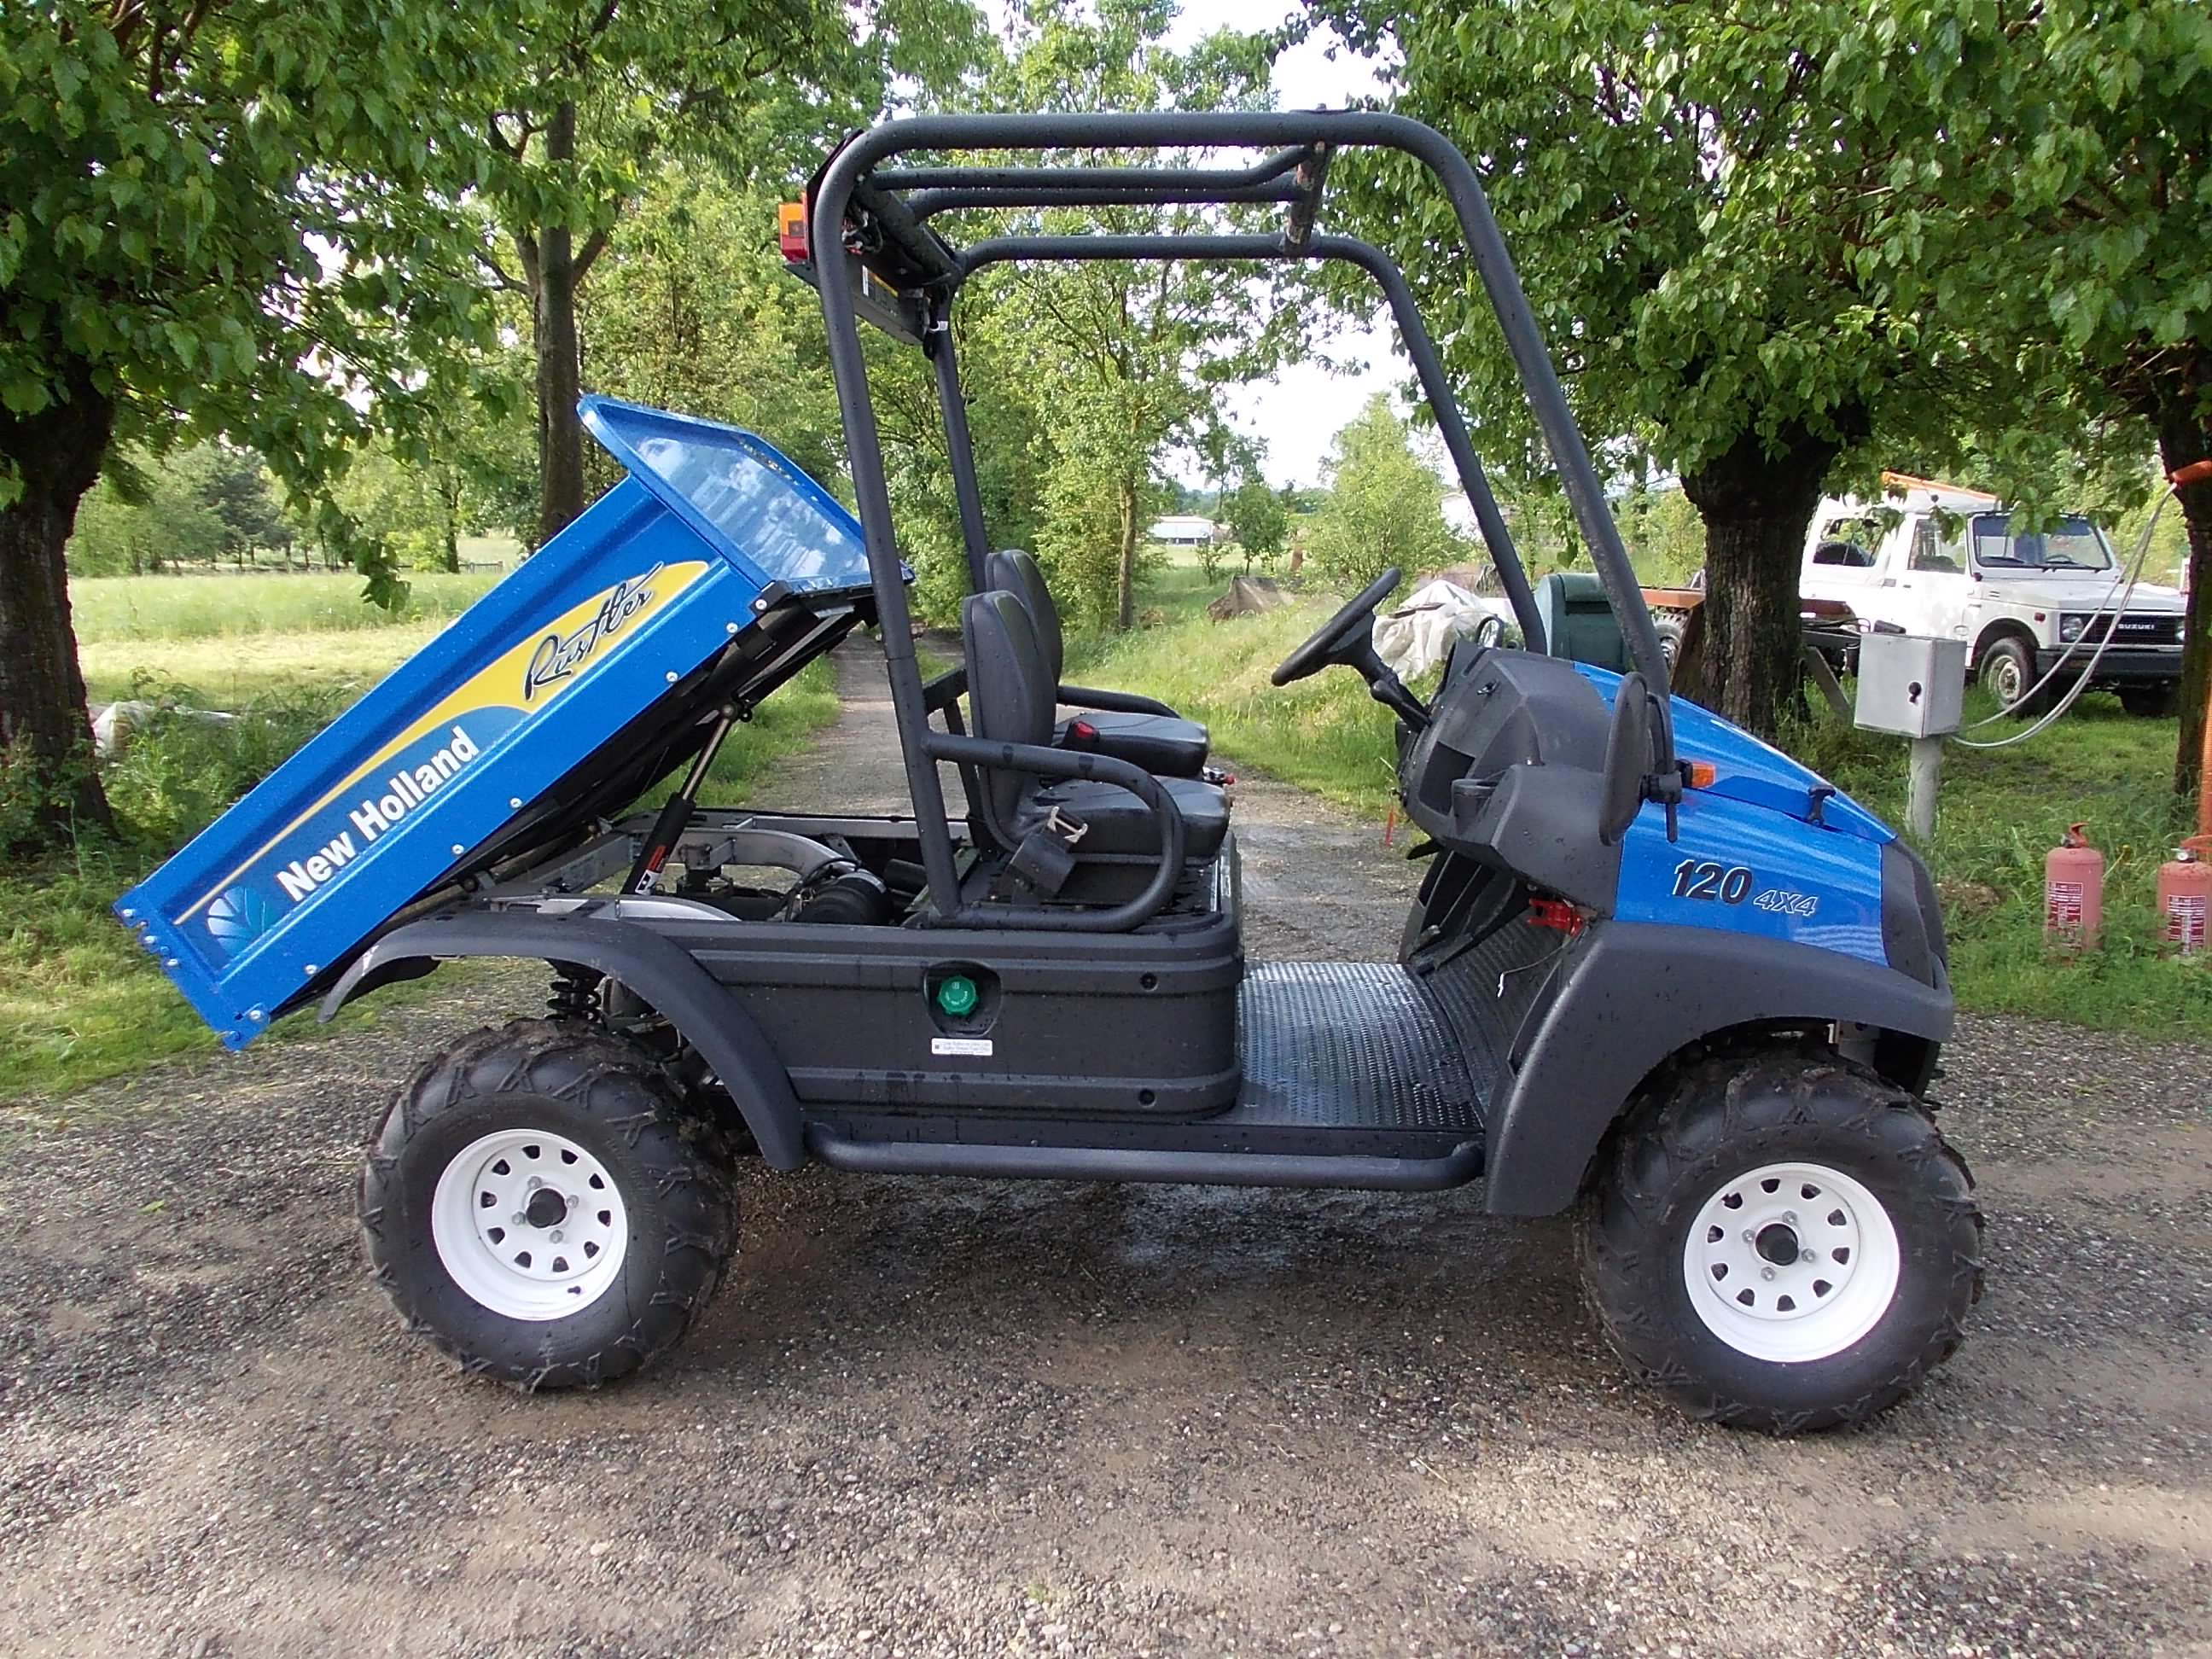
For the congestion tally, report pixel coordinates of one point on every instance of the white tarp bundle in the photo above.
(1420, 633)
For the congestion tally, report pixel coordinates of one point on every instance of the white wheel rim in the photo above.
(529, 1225)
(1839, 1281)
(2009, 681)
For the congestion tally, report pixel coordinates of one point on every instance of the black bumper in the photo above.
(2123, 665)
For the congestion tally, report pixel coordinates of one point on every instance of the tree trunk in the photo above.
(552, 272)
(2182, 438)
(45, 738)
(1125, 609)
(1756, 507)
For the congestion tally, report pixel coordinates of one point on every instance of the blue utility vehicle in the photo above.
(1657, 973)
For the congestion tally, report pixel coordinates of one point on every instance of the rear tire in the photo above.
(2007, 673)
(1782, 1241)
(1669, 625)
(2152, 702)
(539, 1204)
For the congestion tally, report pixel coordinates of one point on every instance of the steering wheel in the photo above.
(1338, 638)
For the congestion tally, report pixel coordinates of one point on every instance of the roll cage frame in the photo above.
(865, 219)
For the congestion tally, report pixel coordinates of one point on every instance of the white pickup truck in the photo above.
(1936, 560)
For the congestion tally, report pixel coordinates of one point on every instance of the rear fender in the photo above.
(1641, 993)
(713, 1021)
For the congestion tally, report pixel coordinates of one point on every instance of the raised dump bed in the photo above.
(712, 572)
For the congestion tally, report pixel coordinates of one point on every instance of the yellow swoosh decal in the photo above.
(499, 684)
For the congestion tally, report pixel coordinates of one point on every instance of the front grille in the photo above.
(2136, 628)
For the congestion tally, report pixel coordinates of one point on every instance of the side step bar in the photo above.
(1386, 1175)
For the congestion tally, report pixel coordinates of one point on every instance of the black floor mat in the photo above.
(1347, 1045)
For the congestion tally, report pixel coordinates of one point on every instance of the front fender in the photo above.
(1639, 992)
(664, 975)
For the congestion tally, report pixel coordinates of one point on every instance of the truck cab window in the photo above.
(1932, 552)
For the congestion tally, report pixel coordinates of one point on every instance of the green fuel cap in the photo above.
(955, 995)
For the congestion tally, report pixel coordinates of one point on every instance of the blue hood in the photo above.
(1751, 771)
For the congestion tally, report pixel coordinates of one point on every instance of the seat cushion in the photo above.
(1121, 824)
(1165, 745)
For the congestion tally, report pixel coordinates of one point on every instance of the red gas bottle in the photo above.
(2073, 893)
(2184, 896)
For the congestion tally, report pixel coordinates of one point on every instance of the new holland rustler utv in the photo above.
(1657, 971)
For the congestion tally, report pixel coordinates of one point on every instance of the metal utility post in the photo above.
(1916, 688)
(1921, 781)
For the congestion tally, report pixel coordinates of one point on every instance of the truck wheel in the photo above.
(1670, 626)
(1782, 1241)
(538, 1204)
(2007, 674)
(2151, 701)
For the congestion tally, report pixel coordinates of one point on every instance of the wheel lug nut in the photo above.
(1805, 1257)
(520, 1219)
(534, 1183)
(1766, 1272)
(555, 1236)
(1790, 1218)
(1747, 1236)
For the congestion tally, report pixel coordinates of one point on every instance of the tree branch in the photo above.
(594, 244)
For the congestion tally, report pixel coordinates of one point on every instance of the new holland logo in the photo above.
(559, 656)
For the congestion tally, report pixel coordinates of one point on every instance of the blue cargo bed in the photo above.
(710, 574)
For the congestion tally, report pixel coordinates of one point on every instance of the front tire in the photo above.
(539, 1204)
(2007, 673)
(1782, 1241)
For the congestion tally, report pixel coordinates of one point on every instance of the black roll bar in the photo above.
(926, 203)
(1294, 136)
(959, 448)
(1188, 179)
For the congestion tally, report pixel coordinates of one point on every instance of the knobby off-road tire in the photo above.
(540, 1205)
(1782, 1241)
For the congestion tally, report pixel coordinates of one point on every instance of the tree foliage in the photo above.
(1713, 267)
(232, 216)
(1385, 503)
(2072, 175)
(1122, 360)
(1260, 519)
(602, 94)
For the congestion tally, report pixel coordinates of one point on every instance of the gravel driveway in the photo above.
(951, 1418)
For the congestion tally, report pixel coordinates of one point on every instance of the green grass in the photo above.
(79, 1001)
(1998, 812)
(212, 671)
(2001, 810)
(783, 726)
(107, 608)
(1325, 734)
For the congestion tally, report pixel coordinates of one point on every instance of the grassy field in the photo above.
(109, 608)
(78, 1000)
(2000, 811)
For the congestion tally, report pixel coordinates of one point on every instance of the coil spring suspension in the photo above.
(574, 999)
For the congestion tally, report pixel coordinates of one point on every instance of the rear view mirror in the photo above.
(1627, 759)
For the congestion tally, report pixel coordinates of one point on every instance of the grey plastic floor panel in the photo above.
(1482, 995)
(1348, 1045)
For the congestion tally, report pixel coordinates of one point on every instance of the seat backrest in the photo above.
(1578, 620)
(1008, 697)
(1017, 573)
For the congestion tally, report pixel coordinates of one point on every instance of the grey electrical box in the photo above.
(1910, 685)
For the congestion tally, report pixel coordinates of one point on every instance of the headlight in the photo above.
(2071, 626)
